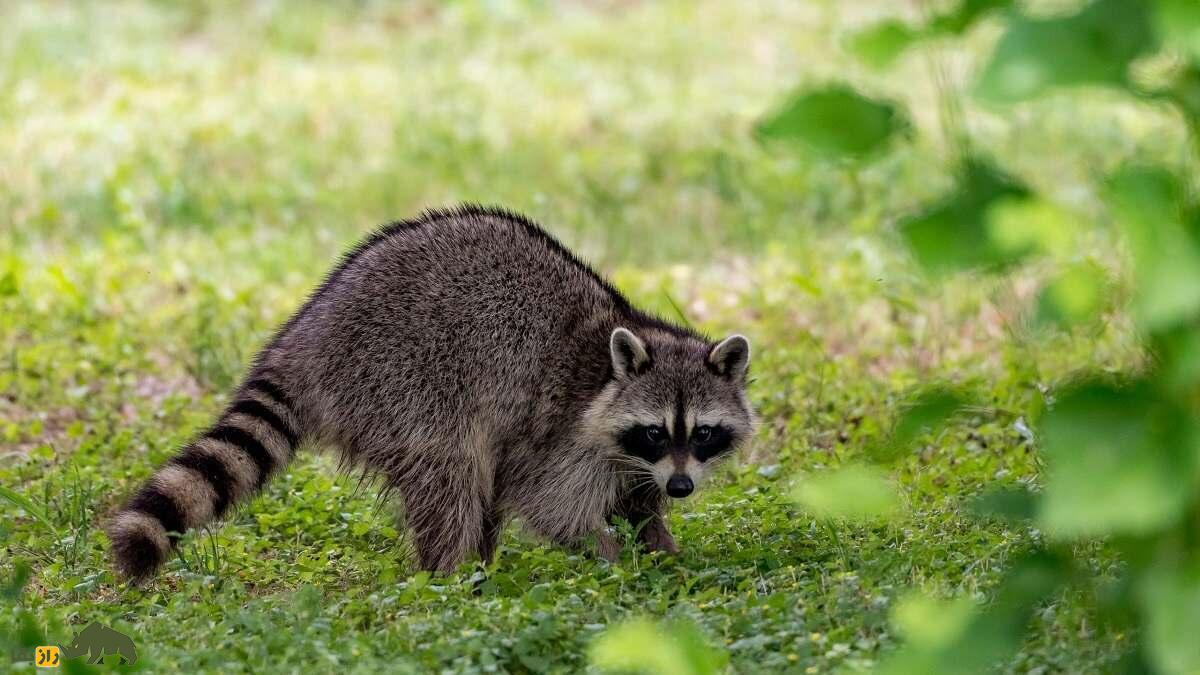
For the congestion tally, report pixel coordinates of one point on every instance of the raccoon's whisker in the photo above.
(632, 461)
(629, 468)
(633, 472)
(645, 482)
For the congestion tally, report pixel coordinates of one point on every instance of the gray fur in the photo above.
(481, 371)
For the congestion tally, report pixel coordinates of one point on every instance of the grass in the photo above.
(176, 178)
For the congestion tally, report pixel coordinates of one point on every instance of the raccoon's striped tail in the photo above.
(255, 437)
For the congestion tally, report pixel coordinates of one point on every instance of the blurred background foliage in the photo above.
(1122, 448)
(962, 234)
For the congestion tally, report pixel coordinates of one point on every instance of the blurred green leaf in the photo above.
(932, 407)
(834, 121)
(1094, 46)
(1020, 225)
(990, 635)
(1178, 23)
(1178, 352)
(1184, 92)
(1171, 605)
(12, 589)
(928, 410)
(952, 234)
(967, 13)
(1119, 462)
(640, 645)
(930, 623)
(880, 45)
(1079, 293)
(1010, 505)
(1147, 205)
(8, 283)
(855, 492)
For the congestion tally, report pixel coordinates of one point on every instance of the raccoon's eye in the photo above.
(645, 442)
(656, 434)
(710, 441)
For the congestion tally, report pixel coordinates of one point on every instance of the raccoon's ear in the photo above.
(629, 353)
(731, 357)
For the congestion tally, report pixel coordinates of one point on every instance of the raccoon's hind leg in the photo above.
(489, 540)
(446, 499)
(446, 522)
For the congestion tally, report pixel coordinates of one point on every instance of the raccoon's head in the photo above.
(676, 406)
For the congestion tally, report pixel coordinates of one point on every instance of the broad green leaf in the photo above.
(1119, 462)
(930, 623)
(1021, 225)
(1147, 205)
(928, 410)
(952, 234)
(1171, 605)
(957, 21)
(879, 46)
(1178, 23)
(997, 633)
(701, 658)
(11, 590)
(834, 121)
(1184, 92)
(990, 636)
(1178, 352)
(642, 646)
(854, 492)
(8, 283)
(1010, 505)
(1094, 46)
(1077, 294)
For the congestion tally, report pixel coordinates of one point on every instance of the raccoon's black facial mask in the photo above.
(710, 441)
(652, 442)
(648, 442)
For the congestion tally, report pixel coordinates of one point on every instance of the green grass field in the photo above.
(174, 180)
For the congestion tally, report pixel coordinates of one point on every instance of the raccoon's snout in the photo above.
(680, 486)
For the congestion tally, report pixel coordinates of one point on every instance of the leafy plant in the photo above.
(834, 121)
(880, 45)
(952, 233)
(1122, 450)
(855, 492)
(641, 646)
(1094, 46)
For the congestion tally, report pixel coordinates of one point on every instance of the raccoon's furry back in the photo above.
(452, 355)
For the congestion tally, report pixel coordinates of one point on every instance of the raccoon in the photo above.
(482, 373)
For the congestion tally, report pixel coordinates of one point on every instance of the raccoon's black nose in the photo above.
(679, 486)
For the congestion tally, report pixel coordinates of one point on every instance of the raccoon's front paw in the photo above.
(666, 544)
(608, 546)
(656, 537)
